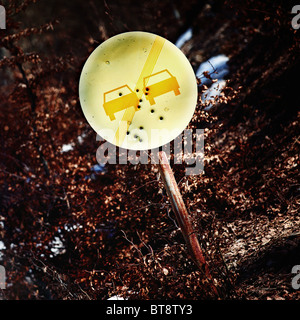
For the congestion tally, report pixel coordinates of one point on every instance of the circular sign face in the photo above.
(138, 90)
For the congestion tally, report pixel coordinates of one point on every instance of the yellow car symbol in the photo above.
(154, 90)
(120, 103)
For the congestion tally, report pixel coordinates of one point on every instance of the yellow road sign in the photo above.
(138, 90)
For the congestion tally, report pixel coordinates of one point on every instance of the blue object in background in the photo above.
(216, 66)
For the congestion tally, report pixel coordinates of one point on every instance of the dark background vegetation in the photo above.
(116, 227)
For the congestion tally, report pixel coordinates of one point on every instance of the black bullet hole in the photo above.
(152, 110)
(139, 107)
(141, 128)
(127, 132)
(161, 118)
(147, 89)
(141, 100)
(137, 90)
(120, 94)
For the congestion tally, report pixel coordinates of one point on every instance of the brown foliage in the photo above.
(116, 227)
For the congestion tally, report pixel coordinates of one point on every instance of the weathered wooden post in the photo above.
(182, 215)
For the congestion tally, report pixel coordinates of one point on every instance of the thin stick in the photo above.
(181, 214)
